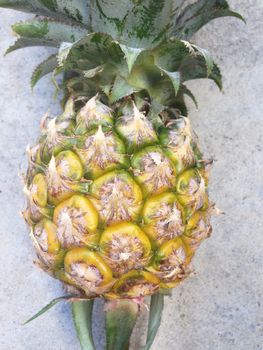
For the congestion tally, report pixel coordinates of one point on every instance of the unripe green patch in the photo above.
(69, 165)
(153, 170)
(34, 29)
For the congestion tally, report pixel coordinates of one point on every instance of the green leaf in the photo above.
(96, 48)
(147, 76)
(196, 15)
(91, 73)
(49, 30)
(21, 43)
(148, 23)
(48, 306)
(121, 316)
(88, 56)
(50, 4)
(131, 55)
(63, 53)
(72, 11)
(77, 10)
(109, 16)
(207, 57)
(190, 61)
(170, 55)
(156, 308)
(25, 6)
(82, 316)
(44, 68)
(135, 23)
(175, 79)
(216, 76)
(119, 89)
(196, 67)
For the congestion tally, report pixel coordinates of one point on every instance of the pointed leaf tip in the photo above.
(175, 79)
(119, 89)
(196, 15)
(45, 67)
(47, 307)
(131, 55)
(21, 43)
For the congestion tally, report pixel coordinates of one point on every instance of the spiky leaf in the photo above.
(76, 10)
(175, 79)
(49, 30)
(121, 317)
(187, 59)
(82, 316)
(21, 43)
(48, 306)
(156, 308)
(45, 67)
(131, 55)
(73, 11)
(91, 73)
(96, 49)
(196, 15)
(120, 88)
(135, 23)
(25, 6)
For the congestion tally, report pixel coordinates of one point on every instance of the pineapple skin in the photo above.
(116, 205)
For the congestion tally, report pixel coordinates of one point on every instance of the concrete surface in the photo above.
(219, 308)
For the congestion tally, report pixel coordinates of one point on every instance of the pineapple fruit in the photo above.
(116, 188)
(116, 206)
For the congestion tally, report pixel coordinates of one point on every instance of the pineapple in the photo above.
(116, 187)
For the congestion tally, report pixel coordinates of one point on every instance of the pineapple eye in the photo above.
(45, 235)
(88, 271)
(93, 114)
(125, 247)
(153, 170)
(198, 228)
(64, 177)
(178, 147)
(136, 129)
(171, 262)
(101, 151)
(47, 245)
(188, 182)
(38, 190)
(69, 166)
(191, 191)
(135, 284)
(77, 221)
(163, 217)
(117, 197)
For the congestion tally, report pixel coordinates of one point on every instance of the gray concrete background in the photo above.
(220, 307)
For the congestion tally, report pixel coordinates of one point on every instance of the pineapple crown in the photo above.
(119, 48)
